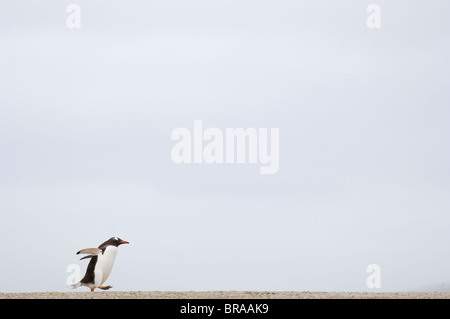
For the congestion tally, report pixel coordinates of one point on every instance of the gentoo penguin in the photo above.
(102, 261)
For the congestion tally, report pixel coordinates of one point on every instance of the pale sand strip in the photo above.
(224, 295)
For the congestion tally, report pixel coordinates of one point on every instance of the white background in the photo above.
(86, 117)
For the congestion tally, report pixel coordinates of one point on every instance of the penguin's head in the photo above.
(116, 241)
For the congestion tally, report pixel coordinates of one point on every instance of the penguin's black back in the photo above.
(89, 277)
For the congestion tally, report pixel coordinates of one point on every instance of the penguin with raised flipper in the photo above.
(100, 266)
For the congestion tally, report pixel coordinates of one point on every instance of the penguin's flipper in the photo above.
(88, 256)
(90, 251)
(104, 287)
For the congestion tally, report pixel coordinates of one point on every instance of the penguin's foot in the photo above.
(104, 287)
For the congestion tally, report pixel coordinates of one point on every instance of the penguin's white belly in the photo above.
(104, 264)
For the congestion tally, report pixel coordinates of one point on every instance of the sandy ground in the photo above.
(224, 295)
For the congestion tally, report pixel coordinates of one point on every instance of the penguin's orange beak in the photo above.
(124, 242)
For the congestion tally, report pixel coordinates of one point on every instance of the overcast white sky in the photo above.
(86, 117)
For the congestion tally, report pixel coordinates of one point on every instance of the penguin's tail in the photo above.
(73, 286)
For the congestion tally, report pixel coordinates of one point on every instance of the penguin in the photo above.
(102, 261)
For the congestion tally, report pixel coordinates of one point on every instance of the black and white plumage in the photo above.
(100, 266)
